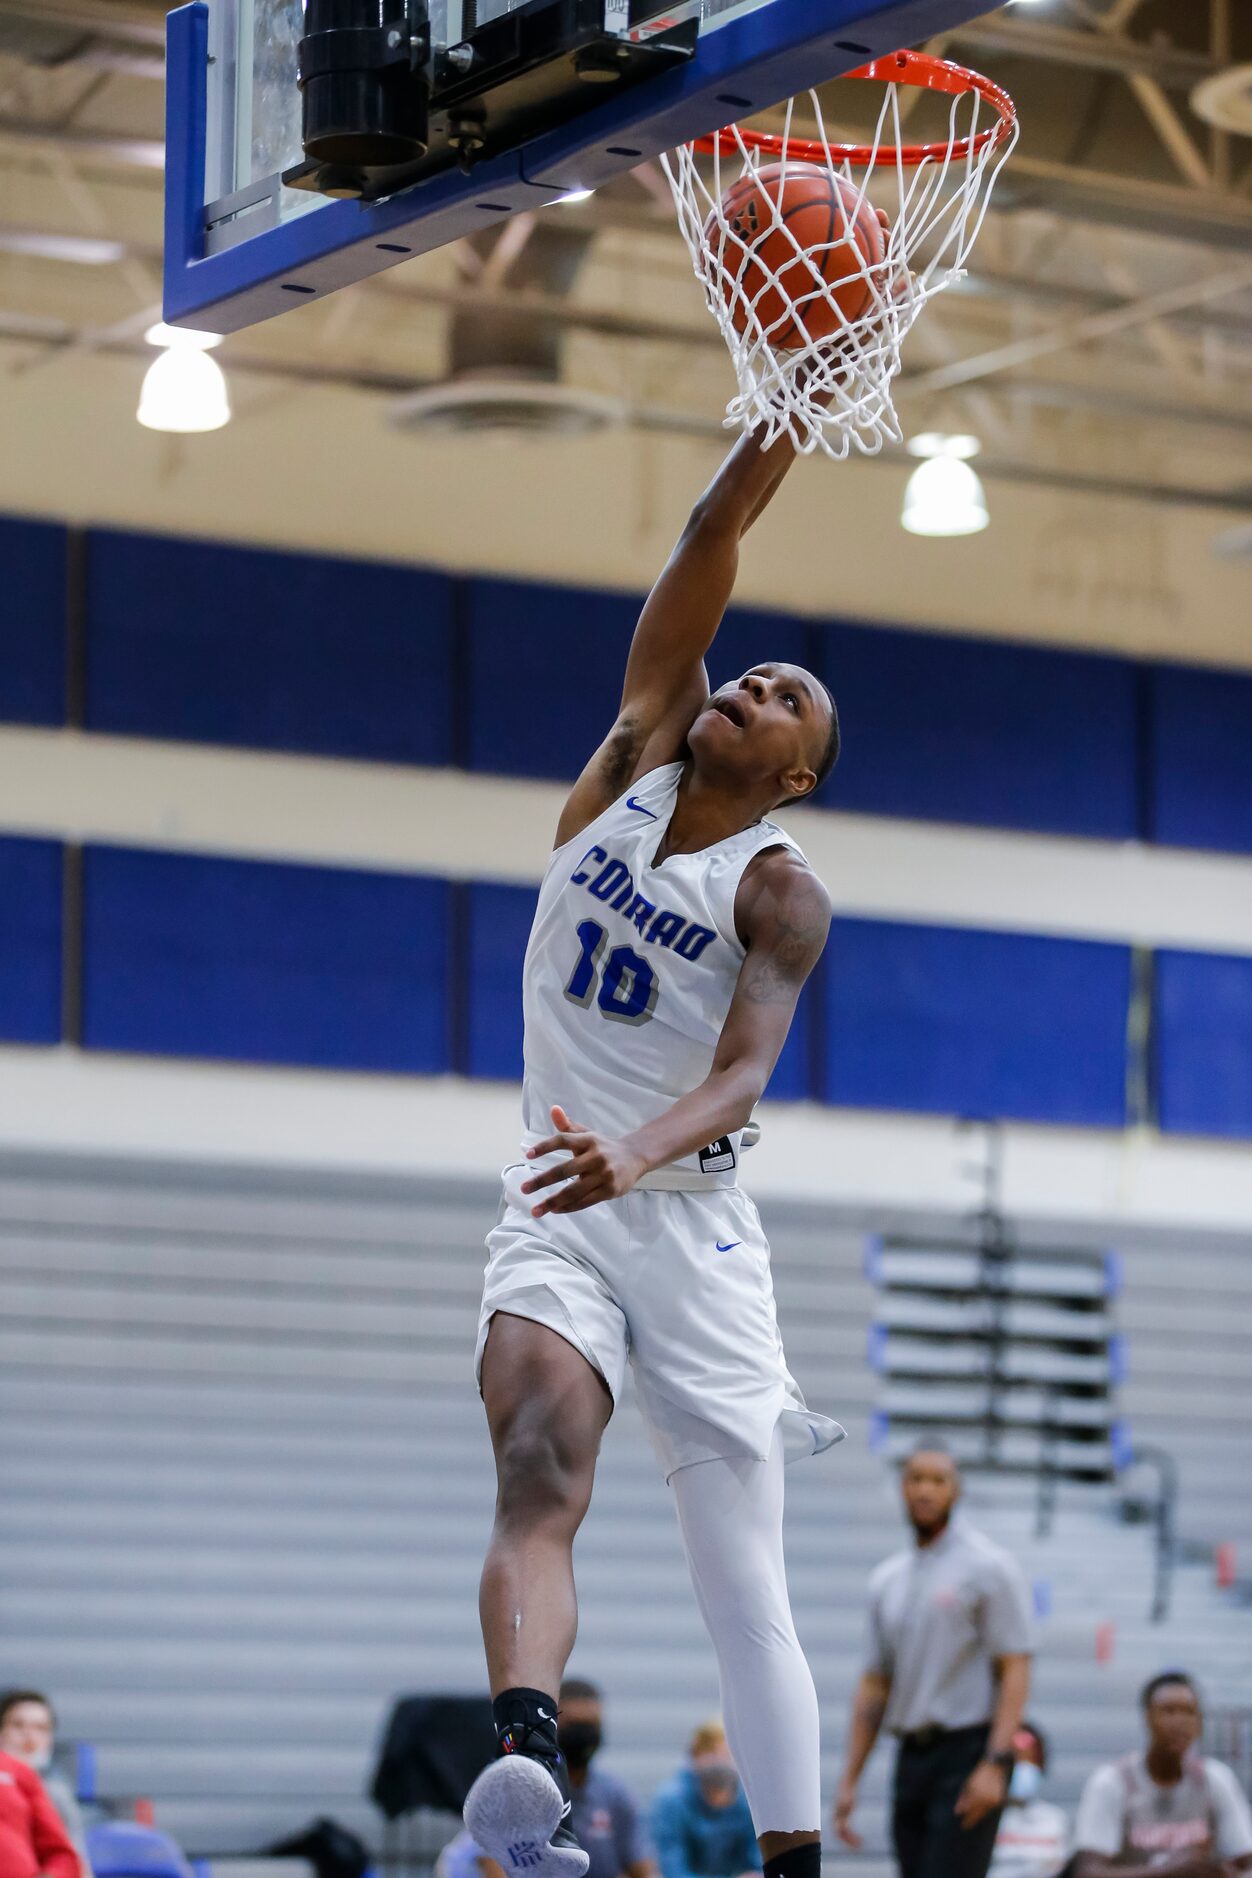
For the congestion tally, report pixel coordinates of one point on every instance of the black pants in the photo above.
(929, 1839)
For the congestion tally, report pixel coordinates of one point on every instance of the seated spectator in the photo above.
(32, 1839)
(1033, 1840)
(28, 1730)
(603, 1813)
(1169, 1808)
(701, 1826)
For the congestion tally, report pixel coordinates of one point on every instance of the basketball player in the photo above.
(675, 928)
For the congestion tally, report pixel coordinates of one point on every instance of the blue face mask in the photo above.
(1026, 1782)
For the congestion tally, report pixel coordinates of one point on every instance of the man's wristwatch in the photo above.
(1006, 1761)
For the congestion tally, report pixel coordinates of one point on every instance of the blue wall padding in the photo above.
(546, 667)
(748, 637)
(32, 622)
(30, 940)
(792, 1077)
(499, 925)
(545, 674)
(1203, 1043)
(971, 730)
(976, 1023)
(1201, 756)
(216, 644)
(255, 961)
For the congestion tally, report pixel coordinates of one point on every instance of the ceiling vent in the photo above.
(504, 357)
(499, 401)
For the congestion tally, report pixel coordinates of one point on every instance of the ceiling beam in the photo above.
(108, 146)
(1171, 130)
(30, 329)
(1170, 65)
(1163, 209)
(1094, 326)
(129, 25)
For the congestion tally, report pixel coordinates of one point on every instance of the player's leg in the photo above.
(730, 1513)
(547, 1408)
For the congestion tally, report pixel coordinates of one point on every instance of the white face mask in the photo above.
(1026, 1782)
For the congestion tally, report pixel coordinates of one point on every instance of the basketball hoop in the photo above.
(815, 329)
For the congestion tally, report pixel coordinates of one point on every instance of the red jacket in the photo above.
(32, 1838)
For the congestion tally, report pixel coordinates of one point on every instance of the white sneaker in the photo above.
(512, 1812)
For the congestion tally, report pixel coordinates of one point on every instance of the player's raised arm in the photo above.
(665, 684)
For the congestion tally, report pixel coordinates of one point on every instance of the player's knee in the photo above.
(540, 1475)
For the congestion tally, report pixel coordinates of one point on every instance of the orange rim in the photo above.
(896, 68)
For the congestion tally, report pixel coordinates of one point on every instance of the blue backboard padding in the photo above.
(500, 918)
(232, 645)
(1203, 1043)
(973, 730)
(255, 961)
(1201, 756)
(32, 622)
(30, 940)
(976, 1023)
(570, 645)
(767, 54)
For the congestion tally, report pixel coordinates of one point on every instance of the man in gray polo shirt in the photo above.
(948, 1673)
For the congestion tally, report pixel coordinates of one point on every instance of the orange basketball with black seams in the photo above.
(793, 241)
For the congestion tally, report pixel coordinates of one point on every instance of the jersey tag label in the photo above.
(717, 1157)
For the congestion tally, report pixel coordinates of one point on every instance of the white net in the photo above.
(815, 329)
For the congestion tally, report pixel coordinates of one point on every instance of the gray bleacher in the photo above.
(246, 1486)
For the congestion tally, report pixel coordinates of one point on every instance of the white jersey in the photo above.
(630, 971)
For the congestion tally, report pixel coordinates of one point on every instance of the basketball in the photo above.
(806, 236)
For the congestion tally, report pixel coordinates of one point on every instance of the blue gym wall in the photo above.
(203, 956)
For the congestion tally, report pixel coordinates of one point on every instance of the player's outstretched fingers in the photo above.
(577, 1146)
(579, 1195)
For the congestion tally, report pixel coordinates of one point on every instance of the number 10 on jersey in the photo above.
(623, 985)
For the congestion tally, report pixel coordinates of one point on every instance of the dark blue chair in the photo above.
(119, 1848)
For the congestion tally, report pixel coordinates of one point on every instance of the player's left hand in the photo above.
(599, 1168)
(983, 1792)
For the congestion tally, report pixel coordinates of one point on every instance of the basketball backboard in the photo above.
(558, 95)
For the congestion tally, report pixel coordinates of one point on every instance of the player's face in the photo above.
(772, 723)
(1174, 1721)
(931, 1488)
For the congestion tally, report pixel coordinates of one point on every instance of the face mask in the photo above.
(718, 1784)
(1026, 1782)
(579, 1741)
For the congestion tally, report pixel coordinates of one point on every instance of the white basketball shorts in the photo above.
(679, 1284)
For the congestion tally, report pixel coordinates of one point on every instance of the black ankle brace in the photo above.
(802, 1861)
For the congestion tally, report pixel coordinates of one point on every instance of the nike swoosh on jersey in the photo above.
(640, 808)
(729, 1246)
